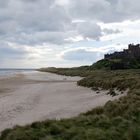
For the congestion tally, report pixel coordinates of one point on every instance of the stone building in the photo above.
(133, 51)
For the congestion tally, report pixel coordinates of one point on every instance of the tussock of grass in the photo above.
(117, 120)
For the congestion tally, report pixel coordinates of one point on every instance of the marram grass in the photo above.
(117, 120)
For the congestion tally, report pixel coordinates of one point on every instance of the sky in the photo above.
(65, 33)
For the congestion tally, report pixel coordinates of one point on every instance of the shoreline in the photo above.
(39, 96)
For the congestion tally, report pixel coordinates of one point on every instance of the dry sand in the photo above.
(36, 96)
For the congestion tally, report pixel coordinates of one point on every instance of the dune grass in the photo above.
(117, 120)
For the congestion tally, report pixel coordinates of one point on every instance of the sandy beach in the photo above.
(36, 96)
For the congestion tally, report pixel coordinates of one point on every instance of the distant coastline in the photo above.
(8, 72)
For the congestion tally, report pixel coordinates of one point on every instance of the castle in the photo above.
(133, 51)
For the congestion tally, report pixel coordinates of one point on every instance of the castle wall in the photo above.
(133, 51)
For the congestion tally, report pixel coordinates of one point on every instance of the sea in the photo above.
(11, 72)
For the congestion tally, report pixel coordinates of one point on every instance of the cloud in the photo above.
(111, 31)
(62, 24)
(11, 52)
(30, 19)
(39, 38)
(90, 54)
(20, 17)
(82, 55)
(105, 10)
(89, 30)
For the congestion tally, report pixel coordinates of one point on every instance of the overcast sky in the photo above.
(65, 33)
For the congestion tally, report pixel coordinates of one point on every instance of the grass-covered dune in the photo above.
(117, 120)
(106, 79)
(117, 63)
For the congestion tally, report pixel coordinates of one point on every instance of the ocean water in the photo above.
(11, 72)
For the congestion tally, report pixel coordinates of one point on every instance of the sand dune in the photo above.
(37, 96)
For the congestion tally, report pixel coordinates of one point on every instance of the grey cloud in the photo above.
(111, 31)
(32, 1)
(38, 38)
(3, 3)
(7, 27)
(7, 51)
(82, 55)
(88, 8)
(52, 19)
(89, 30)
(105, 10)
(32, 17)
(26, 21)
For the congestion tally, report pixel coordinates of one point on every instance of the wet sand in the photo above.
(37, 96)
